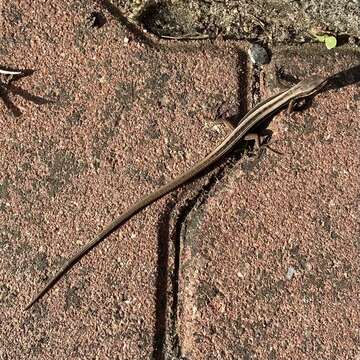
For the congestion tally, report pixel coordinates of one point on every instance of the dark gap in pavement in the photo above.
(243, 84)
(162, 283)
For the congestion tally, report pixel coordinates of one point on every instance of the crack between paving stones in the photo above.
(161, 294)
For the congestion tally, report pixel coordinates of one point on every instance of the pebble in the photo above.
(290, 273)
(258, 55)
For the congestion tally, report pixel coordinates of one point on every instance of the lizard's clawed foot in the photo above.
(261, 141)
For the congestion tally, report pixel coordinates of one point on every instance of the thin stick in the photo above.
(9, 72)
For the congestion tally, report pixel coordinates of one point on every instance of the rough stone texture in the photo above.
(259, 259)
(283, 21)
(126, 117)
(269, 265)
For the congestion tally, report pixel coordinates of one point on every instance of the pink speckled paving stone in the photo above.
(126, 117)
(271, 269)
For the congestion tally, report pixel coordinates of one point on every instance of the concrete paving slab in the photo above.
(126, 117)
(269, 265)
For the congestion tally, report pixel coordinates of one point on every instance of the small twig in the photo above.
(186, 37)
(8, 72)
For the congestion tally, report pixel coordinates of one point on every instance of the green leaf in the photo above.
(330, 42)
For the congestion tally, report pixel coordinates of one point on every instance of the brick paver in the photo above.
(258, 259)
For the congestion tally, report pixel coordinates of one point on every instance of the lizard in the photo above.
(256, 115)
